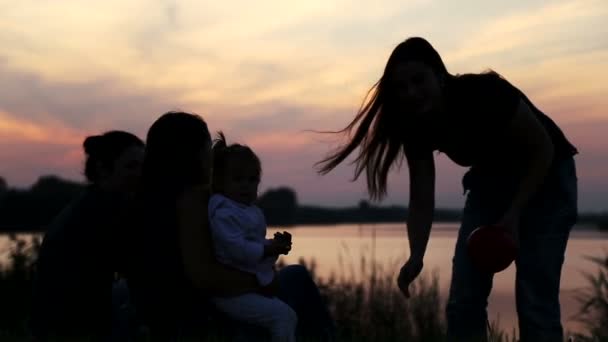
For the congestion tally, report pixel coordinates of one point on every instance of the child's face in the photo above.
(241, 182)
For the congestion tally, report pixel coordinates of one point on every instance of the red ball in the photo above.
(491, 248)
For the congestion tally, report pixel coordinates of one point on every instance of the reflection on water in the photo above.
(341, 249)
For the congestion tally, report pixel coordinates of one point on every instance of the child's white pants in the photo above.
(267, 312)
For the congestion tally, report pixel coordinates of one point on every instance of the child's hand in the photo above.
(284, 236)
(283, 240)
(284, 245)
(277, 247)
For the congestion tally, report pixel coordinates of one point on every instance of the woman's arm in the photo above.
(534, 151)
(421, 204)
(200, 264)
(420, 217)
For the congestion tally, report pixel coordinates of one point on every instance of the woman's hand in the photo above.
(409, 272)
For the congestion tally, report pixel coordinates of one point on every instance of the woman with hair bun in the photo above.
(75, 268)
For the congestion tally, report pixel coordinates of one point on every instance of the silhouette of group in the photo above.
(167, 241)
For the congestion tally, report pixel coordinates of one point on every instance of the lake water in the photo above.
(340, 249)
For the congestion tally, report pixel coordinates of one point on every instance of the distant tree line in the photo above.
(33, 208)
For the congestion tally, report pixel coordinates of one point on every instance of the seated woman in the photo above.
(173, 268)
(75, 270)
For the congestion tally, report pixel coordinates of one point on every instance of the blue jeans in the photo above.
(544, 230)
(299, 291)
(296, 288)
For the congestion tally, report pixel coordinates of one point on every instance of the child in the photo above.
(238, 229)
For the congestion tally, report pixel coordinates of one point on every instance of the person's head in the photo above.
(413, 78)
(237, 171)
(178, 154)
(113, 160)
(406, 99)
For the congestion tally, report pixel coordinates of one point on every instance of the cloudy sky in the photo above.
(265, 72)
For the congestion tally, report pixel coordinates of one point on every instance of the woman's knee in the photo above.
(286, 316)
(292, 317)
(297, 286)
(468, 296)
(295, 273)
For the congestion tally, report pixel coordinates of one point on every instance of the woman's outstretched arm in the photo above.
(420, 217)
(421, 205)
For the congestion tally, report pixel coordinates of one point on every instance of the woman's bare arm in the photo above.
(421, 204)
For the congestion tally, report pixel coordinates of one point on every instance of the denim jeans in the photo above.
(544, 230)
(299, 291)
(296, 288)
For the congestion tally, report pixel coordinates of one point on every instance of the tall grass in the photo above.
(363, 299)
(367, 305)
(594, 303)
(16, 285)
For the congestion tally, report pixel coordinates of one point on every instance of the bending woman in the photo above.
(521, 175)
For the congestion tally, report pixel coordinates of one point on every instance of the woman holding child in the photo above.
(72, 295)
(179, 263)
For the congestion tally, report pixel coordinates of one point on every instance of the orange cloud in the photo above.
(14, 129)
(33, 149)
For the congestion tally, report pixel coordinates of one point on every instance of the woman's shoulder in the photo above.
(487, 91)
(194, 197)
(485, 81)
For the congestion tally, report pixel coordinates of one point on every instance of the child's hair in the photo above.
(223, 153)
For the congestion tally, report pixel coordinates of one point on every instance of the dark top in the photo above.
(159, 287)
(479, 108)
(75, 267)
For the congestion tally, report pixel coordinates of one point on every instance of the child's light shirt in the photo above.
(239, 236)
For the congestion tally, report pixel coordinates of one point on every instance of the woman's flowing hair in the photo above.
(379, 128)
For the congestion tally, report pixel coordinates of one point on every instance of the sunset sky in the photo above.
(265, 72)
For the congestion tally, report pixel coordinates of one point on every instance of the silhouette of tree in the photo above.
(3, 185)
(33, 208)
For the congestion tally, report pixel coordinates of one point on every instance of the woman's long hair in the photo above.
(175, 148)
(379, 128)
(173, 159)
